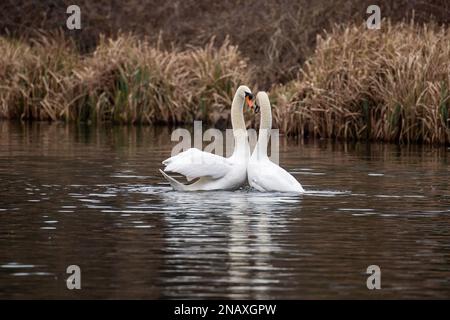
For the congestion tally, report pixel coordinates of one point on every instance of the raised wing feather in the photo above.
(194, 163)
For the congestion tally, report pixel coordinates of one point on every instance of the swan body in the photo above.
(212, 171)
(263, 174)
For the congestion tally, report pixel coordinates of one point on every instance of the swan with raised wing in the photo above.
(263, 174)
(212, 171)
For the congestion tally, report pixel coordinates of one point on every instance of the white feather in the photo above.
(215, 172)
(263, 174)
(194, 163)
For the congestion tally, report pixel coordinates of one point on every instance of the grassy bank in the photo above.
(124, 80)
(388, 85)
(275, 35)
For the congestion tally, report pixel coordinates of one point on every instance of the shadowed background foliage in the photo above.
(276, 35)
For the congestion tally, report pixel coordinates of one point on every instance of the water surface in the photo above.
(93, 197)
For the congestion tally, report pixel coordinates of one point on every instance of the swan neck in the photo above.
(237, 114)
(241, 145)
(264, 128)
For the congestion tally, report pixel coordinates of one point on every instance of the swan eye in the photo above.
(249, 95)
(256, 108)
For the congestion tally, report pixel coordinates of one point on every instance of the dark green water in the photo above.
(93, 197)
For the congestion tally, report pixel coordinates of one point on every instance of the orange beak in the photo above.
(249, 102)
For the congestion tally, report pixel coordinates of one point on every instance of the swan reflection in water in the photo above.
(238, 231)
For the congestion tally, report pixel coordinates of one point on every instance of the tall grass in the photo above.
(391, 85)
(33, 76)
(276, 35)
(125, 80)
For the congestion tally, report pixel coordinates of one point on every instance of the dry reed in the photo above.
(125, 80)
(391, 85)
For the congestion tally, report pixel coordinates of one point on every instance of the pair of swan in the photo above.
(218, 173)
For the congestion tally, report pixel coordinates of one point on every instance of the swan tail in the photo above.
(178, 186)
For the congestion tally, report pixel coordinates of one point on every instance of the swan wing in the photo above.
(194, 163)
(267, 176)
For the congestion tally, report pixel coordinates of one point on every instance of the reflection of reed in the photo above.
(359, 164)
(88, 144)
(239, 244)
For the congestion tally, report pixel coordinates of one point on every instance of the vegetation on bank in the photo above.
(275, 35)
(388, 85)
(125, 80)
(391, 84)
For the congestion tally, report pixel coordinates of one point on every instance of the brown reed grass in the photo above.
(276, 35)
(125, 80)
(391, 85)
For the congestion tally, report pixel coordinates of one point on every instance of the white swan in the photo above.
(215, 172)
(263, 174)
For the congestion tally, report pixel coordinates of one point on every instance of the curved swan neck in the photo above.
(265, 123)
(241, 146)
(237, 114)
